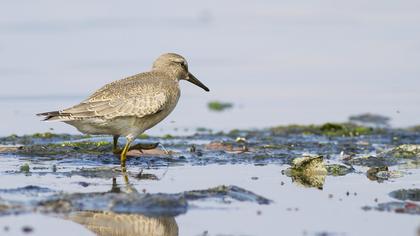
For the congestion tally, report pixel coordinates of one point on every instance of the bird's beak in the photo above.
(197, 82)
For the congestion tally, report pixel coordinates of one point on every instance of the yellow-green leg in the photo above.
(124, 154)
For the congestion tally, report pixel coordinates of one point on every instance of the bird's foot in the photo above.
(144, 146)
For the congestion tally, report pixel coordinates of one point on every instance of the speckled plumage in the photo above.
(126, 107)
(130, 106)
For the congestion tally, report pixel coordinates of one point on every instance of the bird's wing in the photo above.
(125, 98)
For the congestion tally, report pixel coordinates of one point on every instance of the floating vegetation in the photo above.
(415, 129)
(219, 106)
(309, 171)
(39, 137)
(25, 168)
(327, 129)
(404, 151)
(143, 136)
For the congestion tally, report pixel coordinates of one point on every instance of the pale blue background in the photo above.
(279, 62)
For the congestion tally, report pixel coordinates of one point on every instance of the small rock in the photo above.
(27, 229)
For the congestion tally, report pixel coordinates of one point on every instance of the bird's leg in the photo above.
(115, 148)
(124, 154)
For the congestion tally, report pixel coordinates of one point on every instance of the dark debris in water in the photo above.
(397, 207)
(27, 190)
(223, 191)
(131, 202)
(406, 194)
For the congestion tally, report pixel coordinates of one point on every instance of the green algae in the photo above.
(415, 129)
(167, 136)
(203, 130)
(219, 106)
(37, 137)
(143, 136)
(25, 168)
(327, 129)
(46, 135)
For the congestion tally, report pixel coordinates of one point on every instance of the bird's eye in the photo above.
(184, 64)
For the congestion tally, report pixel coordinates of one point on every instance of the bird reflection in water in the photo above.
(115, 224)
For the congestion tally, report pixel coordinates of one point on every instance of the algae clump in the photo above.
(308, 171)
(327, 129)
(405, 151)
(219, 106)
(25, 168)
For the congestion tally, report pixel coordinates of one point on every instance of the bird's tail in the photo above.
(52, 115)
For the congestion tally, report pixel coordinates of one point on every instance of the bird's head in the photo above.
(177, 65)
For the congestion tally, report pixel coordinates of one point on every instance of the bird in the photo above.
(130, 106)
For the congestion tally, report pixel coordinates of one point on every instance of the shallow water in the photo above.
(218, 189)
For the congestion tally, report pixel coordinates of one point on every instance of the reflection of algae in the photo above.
(113, 224)
(308, 171)
(338, 170)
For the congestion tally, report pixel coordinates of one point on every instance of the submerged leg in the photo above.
(124, 153)
(115, 148)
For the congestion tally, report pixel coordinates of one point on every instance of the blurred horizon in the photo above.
(278, 62)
